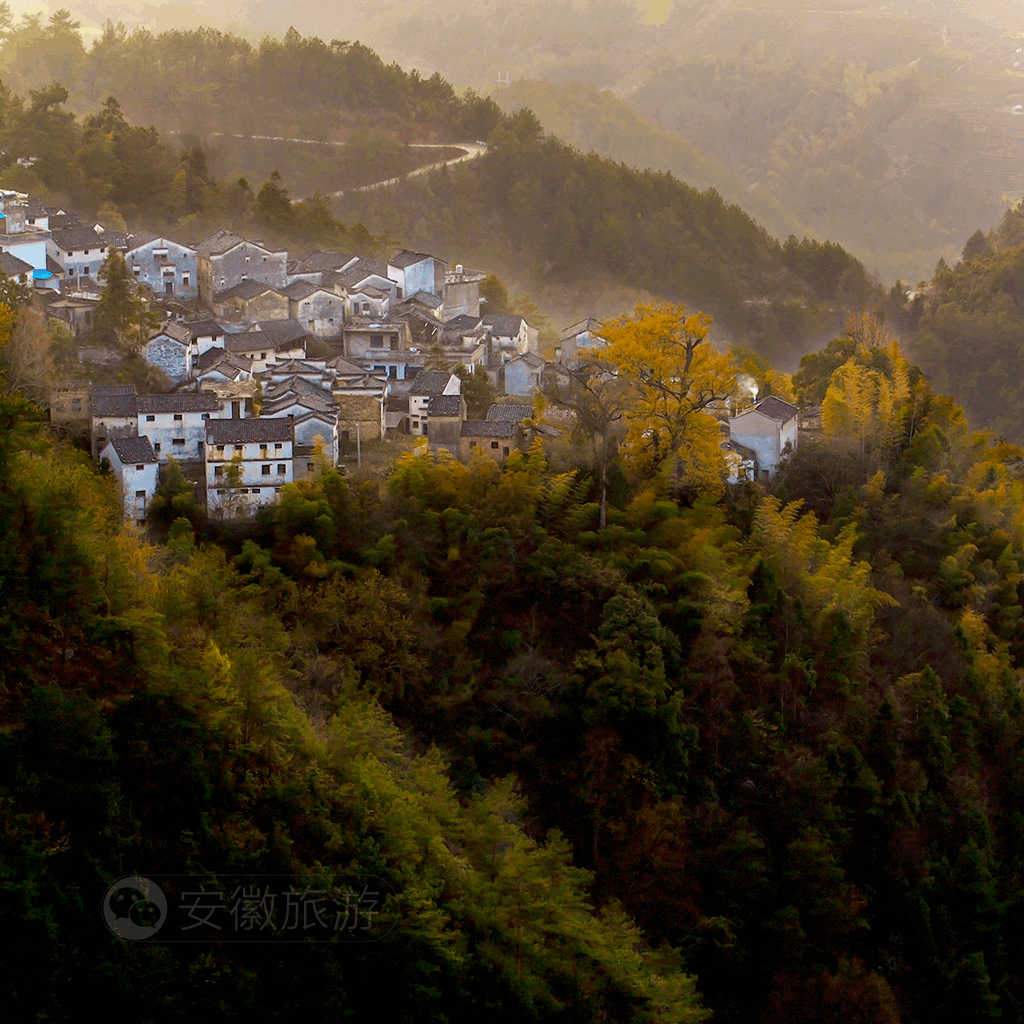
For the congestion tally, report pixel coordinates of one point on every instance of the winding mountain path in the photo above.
(470, 151)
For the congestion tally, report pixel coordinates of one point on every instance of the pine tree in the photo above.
(123, 316)
(273, 205)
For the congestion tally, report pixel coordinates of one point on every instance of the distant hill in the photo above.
(596, 119)
(569, 221)
(886, 126)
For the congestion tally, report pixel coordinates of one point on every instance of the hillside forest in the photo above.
(620, 740)
(611, 732)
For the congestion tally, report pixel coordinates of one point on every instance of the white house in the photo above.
(170, 349)
(247, 463)
(577, 337)
(511, 336)
(80, 252)
(312, 409)
(770, 429)
(176, 424)
(168, 267)
(426, 386)
(522, 374)
(273, 341)
(114, 413)
(19, 236)
(135, 467)
(417, 272)
(318, 309)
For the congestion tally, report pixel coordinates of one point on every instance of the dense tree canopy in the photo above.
(775, 736)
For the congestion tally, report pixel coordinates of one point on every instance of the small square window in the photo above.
(150, 419)
(494, 444)
(178, 442)
(255, 490)
(278, 447)
(263, 355)
(218, 471)
(139, 469)
(280, 467)
(177, 416)
(266, 469)
(140, 494)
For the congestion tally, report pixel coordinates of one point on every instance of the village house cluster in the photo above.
(278, 364)
(281, 364)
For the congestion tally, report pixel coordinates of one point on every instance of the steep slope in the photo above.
(593, 119)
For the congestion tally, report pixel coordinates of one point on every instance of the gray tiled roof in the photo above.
(509, 413)
(407, 258)
(134, 450)
(463, 322)
(12, 266)
(343, 365)
(299, 390)
(503, 326)
(115, 239)
(299, 290)
(138, 238)
(359, 271)
(283, 332)
(247, 289)
(488, 428)
(205, 328)
(319, 260)
(248, 431)
(72, 239)
(219, 242)
(172, 329)
(63, 221)
(430, 382)
(181, 402)
(248, 341)
(218, 357)
(445, 405)
(121, 406)
(428, 299)
(776, 409)
(529, 358)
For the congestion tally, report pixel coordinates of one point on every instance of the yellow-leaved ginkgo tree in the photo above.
(662, 350)
(870, 397)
